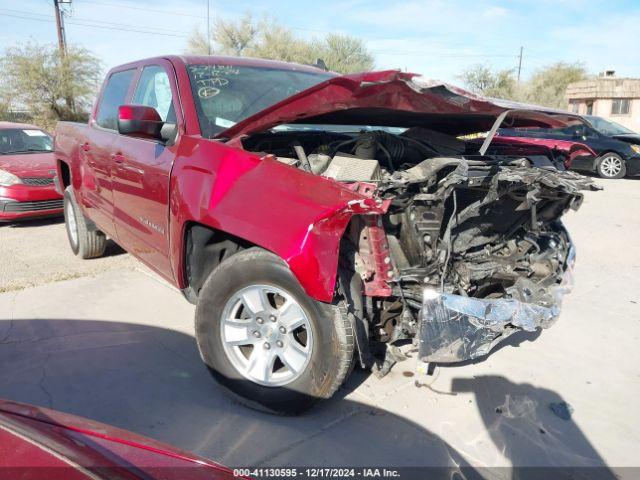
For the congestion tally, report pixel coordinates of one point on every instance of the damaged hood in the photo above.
(398, 99)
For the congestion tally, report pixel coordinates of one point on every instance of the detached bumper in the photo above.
(454, 328)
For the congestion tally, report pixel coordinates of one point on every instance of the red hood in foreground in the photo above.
(40, 443)
(399, 99)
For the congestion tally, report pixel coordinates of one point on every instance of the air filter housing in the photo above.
(345, 168)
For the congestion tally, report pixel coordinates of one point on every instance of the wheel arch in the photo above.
(261, 202)
(314, 262)
(64, 174)
(203, 249)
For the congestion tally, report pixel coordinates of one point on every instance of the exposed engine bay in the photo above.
(459, 225)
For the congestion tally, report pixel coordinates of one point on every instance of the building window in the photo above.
(589, 108)
(620, 106)
(575, 107)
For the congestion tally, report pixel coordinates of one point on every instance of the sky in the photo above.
(435, 38)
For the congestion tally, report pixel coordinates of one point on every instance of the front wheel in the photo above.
(611, 165)
(266, 340)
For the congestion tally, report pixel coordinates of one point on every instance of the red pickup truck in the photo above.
(318, 220)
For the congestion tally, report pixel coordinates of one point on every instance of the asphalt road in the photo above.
(116, 345)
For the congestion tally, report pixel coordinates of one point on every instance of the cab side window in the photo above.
(114, 95)
(154, 90)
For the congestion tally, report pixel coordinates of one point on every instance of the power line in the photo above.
(125, 29)
(443, 55)
(120, 5)
(90, 20)
(94, 24)
(126, 25)
(167, 12)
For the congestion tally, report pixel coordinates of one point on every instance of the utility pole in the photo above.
(208, 27)
(62, 43)
(520, 64)
(60, 27)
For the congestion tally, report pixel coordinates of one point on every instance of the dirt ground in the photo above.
(34, 253)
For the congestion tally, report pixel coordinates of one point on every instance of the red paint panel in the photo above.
(392, 91)
(297, 215)
(572, 149)
(32, 436)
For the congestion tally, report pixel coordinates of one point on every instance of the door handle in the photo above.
(117, 157)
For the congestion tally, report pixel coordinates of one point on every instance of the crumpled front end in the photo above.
(454, 328)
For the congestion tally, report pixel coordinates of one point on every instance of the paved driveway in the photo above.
(117, 346)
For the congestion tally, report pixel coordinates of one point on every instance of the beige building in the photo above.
(607, 96)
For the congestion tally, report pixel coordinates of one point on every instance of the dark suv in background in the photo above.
(618, 148)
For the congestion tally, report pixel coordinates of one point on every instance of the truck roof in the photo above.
(229, 60)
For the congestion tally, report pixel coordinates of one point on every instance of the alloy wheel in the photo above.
(611, 166)
(266, 335)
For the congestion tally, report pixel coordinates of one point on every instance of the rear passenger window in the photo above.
(154, 90)
(114, 95)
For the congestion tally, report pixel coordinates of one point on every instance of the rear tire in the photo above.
(85, 240)
(612, 166)
(266, 340)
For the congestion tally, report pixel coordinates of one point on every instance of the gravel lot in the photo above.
(117, 346)
(37, 252)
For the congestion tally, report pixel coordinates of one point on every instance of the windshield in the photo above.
(225, 95)
(607, 127)
(24, 140)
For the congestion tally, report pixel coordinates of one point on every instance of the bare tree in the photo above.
(227, 37)
(546, 87)
(197, 43)
(236, 38)
(345, 54)
(481, 79)
(279, 43)
(268, 39)
(43, 81)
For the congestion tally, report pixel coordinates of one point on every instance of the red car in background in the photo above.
(27, 168)
(541, 152)
(39, 443)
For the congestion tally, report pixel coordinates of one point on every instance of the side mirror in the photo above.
(140, 121)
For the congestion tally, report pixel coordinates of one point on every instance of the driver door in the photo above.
(141, 174)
